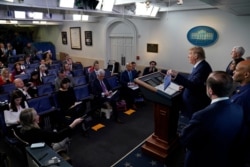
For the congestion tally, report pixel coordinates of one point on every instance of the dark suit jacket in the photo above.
(230, 72)
(92, 76)
(125, 77)
(97, 88)
(194, 96)
(146, 71)
(211, 135)
(36, 135)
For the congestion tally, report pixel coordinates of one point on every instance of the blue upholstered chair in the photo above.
(8, 88)
(24, 77)
(42, 104)
(82, 92)
(80, 80)
(49, 79)
(114, 82)
(45, 89)
(78, 72)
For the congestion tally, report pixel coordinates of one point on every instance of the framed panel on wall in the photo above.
(152, 48)
(88, 38)
(75, 38)
(64, 38)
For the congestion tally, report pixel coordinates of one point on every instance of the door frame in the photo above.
(109, 28)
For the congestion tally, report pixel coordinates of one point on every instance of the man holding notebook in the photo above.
(103, 93)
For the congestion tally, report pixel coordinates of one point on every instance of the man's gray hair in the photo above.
(240, 50)
(101, 72)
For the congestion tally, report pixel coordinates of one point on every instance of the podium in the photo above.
(166, 112)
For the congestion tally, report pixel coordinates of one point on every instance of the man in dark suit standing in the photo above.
(241, 96)
(194, 94)
(102, 92)
(237, 53)
(211, 136)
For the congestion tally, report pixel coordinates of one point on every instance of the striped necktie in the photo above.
(104, 89)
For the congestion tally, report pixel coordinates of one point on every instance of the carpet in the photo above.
(136, 158)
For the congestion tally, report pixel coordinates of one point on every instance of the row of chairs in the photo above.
(48, 103)
(48, 88)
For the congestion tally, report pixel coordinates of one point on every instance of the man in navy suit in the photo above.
(127, 80)
(102, 90)
(194, 94)
(237, 53)
(242, 96)
(211, 136)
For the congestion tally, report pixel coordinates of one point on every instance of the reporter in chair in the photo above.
(31, 132)
(151, 68)
(102, 90)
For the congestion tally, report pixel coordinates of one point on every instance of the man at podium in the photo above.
(194, 94)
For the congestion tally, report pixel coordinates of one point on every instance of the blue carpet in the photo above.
(136, 158)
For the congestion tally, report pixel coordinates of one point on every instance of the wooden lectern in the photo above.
(166, 112)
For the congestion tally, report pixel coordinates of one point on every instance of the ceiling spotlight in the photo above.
(179, 2)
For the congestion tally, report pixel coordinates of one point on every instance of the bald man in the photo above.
(20, 86)
(242, 94)
(211, 135)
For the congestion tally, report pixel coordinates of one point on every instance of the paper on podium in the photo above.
(133, 86)
(170, 90)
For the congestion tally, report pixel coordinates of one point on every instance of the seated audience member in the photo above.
(34, 79)
(47, 57)
(32, 133)
(17, 69)
(194, 92)
(241, 97)
(17, 104)
(44, 63)
(134, 68)
(67, 70)
(93, 70)
(236, 54)
(21, 61)
(33, 82)
(6, 77)
(102, 90)
(30, 50)
(211, 135)
(150, 69)
(27, 60)
(2, 65)
(127, 80)
(42, 72)
(25, 89)
(61, 75)
(67, 100)
(3, 56)
(69, 61)
(10, 51)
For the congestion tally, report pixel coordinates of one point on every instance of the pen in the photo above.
(43, 156)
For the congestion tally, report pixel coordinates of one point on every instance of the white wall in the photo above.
(170, 33)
